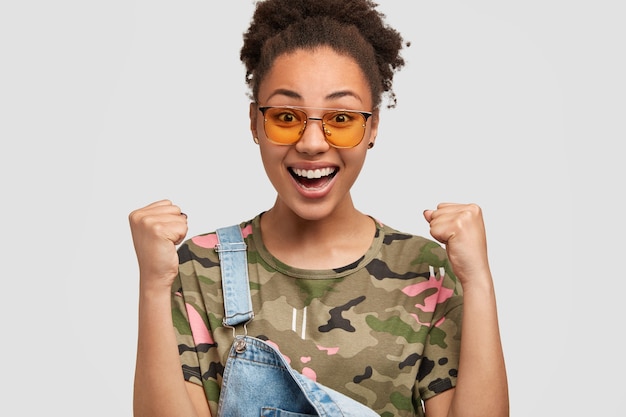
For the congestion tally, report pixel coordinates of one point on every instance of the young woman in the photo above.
(366, 310)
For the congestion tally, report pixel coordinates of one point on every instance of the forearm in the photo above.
(159, 384)
(482, 388)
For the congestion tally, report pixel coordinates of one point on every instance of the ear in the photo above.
(254, 113)
(375, 118)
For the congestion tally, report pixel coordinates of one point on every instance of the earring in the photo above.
(256, 140)
(370, 145)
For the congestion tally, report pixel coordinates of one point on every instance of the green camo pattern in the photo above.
(384, 330)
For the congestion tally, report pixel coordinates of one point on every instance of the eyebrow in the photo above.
(333, 96)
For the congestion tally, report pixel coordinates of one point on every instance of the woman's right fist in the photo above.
(156, 230)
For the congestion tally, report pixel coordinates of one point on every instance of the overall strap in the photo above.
(231, 250)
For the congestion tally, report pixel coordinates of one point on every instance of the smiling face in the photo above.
(313, 178)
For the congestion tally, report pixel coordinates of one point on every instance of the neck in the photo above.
(332, 241)
(285, 222)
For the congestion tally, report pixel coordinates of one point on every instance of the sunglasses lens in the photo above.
(344, 129)
(284, 126)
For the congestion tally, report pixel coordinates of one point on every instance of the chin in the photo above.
(313, 212)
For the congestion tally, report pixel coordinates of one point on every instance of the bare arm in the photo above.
(482, 389)
(159, 388)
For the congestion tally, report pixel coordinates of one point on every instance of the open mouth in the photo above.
(313, 178)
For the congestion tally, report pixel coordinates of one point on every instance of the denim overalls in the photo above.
(257, 380)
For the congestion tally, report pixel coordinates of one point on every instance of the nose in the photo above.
(313, 140)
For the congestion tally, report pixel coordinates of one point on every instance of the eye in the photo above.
(285, 117)
(342, 118)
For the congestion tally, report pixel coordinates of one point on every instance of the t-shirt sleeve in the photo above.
(439, 367)
(188, 316)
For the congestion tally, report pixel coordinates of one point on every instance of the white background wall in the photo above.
(106, 106)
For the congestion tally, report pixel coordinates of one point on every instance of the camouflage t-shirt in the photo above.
(384, 330)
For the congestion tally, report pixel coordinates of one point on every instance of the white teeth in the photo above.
(314, 173)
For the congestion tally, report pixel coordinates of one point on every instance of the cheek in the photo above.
(272, 155)
(355, 159)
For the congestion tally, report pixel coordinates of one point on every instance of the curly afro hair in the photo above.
(351, 27)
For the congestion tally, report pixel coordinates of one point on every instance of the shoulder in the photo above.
(405, 255)
(200, 248)
(425, 249)
(207, 241)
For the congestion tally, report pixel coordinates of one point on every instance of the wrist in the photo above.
(480, 283)
(154, 287)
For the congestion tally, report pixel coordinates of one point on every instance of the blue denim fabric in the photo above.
(257, 379)
(259, 382)
(231, 249)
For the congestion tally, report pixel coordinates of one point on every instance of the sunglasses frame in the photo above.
(366, 115)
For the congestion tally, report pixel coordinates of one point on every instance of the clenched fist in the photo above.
(156, 230)
(461, 229)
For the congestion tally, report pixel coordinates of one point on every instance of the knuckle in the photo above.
(474, 208)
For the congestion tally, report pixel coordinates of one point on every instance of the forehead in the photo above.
(315, 77)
